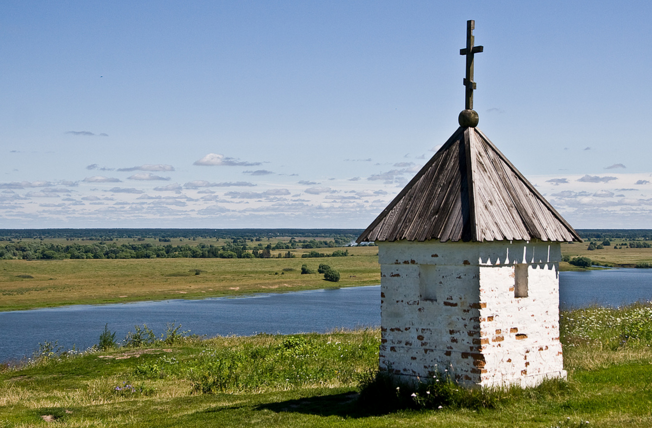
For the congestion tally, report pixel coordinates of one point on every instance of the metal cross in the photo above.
(469, 51)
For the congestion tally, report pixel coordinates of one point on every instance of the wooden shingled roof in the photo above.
(469, 191)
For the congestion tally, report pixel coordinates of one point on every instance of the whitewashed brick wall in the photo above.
(476, 329)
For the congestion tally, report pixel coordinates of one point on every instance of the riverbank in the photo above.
(52, 283)
(314, 380)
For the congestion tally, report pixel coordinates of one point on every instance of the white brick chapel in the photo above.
(469, 253)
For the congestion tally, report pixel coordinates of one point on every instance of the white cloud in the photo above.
(318, 190)
(616, 166)
(101, 179)
(25, 184)
(258, 195)
(147, 177)
(596, 179)
(308, 183)
(258, 172)
(203, 183)
(557, 181)
(603, 194)
(125, 190)
(148, 167)
(214, 159)
(174, 187)
(641, 182)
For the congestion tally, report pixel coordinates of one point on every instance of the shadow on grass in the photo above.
(345, 405)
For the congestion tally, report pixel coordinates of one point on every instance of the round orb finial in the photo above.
(468, 118)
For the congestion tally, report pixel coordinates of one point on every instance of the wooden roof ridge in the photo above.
(529, 185)
(469, 191)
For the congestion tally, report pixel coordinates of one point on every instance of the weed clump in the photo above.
(381, 392)
(107, 339)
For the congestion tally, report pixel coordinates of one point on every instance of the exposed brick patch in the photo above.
(513, 330)
(447, 353)
(393, 349)
(490, 318)
(498, 339)
(394, 275)
(523, 372)
(453, 331)
(450, 304)
(382, 294)
(484, 341)
(467, 377)
(408, 343)
(419, 337)
(412, 262)
(383, 340)
(453, 340)
(527, 364)
(511, 288)
(435, 255)
(478, 305)
(413, 358)
(466, 262)
(498, 331)
(473, 333)
(424, 343)
(509, 360)
(521, 336)
(555, 338)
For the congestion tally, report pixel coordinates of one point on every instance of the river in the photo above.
(303, 311)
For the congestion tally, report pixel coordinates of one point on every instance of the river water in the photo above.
(303, 311)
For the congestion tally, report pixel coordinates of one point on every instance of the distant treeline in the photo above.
(108, 234)
(104, 250)
(629, 234)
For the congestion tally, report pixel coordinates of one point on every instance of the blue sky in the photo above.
(311, 114)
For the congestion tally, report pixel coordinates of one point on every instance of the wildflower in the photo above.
(398, 388)
(413, 395)
(428, 392)
(440, 407)
(117, 388)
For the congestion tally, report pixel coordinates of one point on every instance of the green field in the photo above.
(315, 380)
(46, 283)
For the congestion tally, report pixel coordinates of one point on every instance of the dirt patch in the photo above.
(135, 354)
(48, 418)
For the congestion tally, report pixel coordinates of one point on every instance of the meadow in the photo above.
(47, 283)
(322, 380)
(27, 284)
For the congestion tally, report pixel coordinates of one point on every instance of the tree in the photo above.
(305, 270)
(332, 275)
(323, 268)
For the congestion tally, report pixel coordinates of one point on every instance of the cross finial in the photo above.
(469, 51)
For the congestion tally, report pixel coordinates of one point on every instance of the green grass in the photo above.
(46, 283)
(315, 379)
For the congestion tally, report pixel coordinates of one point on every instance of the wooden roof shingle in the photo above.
(469, 191)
